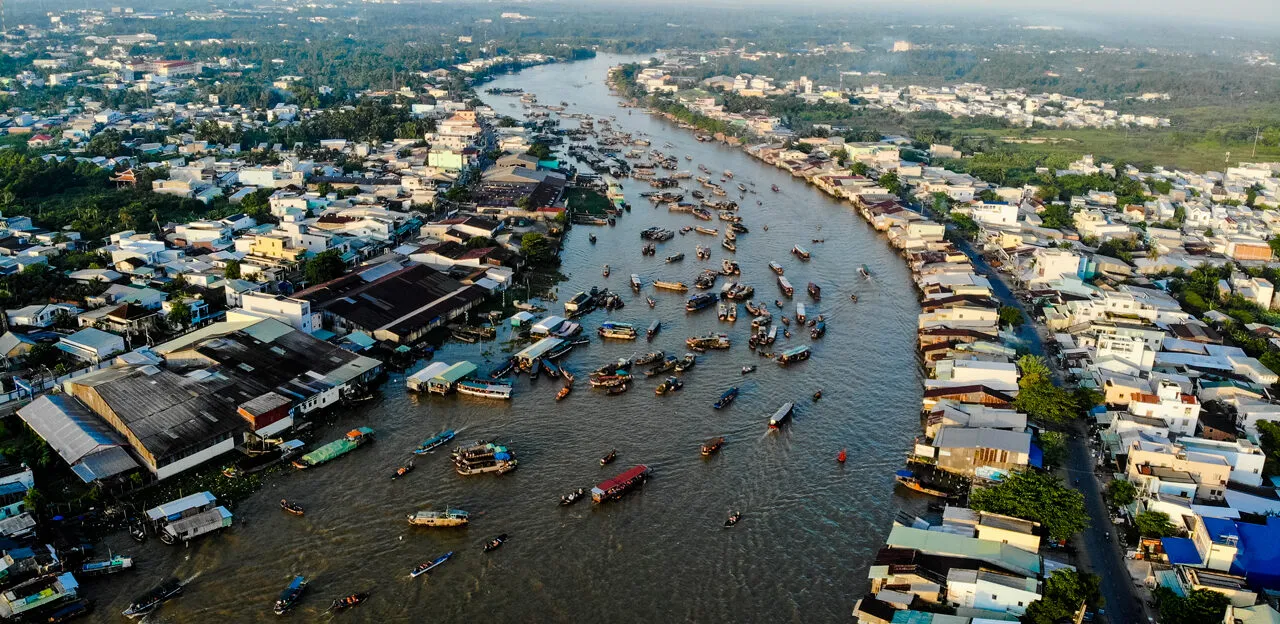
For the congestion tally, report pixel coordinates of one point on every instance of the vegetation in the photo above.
(1269, 440)
(1121, 492)
(324, 266)
(1155, 524)
(1036, 496)
(1012, 316)
(537, 250)
(1043, 400)
(1064, 591)
(1200, 606)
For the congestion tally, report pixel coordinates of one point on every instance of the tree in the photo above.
(179, 314)
(988, 195)
(891, 182)
(1200, 605)
(1269, 440)
(1033, 368)
(1053, 444)
(325, 266)
(232, 270)
(1064, 591)
(859, 168)
(1155, 524)
(1121, 492)
(1012, 316)
(1036, 496)
(476, 242)
(539, 150)
(536, 249)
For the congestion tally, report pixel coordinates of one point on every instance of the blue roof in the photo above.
(1221, 530)
(1181, 550)
(1259, 555)
(1036, 456)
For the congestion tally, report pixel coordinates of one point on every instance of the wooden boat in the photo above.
(842, 456)
(748, 369)
(687, 362)
(654, 327)
(817, 395)
(435, 441)
(732, 519)
(652, 303)
(671, 384)
(156, 596)
(910, 481)
(605, 271)
(800, 252)
(787, 288)
(732, 316)
(342, 604)
(864, 271)
(618, 389)
(800, 313)
(777, 268)
(564, 392)
(636, 285)
(292, 508)
(572, 497)
(496, 542)
(665, 366)
(402, 471)
(615, 488)
(819, 330)
(712, 446)
(726, 398)
(428, 566)
(676, 286)
(592, 238)
(616, 330)
(649, 358)
(815, 291)
(483, 458)
(675, 257)
(853, 298)
(609, 457)
(781, 415)
(491, 390)
(728, 244)
(438, 519)
(774, 188)
(290, 595)
(706, 230)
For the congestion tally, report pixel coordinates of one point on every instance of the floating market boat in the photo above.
(636, 285)
(781, 415)
(615, 488)
(609, 457)
(290, 595)
(706, 230)
(572, 497)
(117, 563)
(446, 518)
(668, 363)
(676, 286)
(354, 600)
(292, 508)
(675, 257)
(748, 369)
(484, 458)
(712, 446)
(654, 327)
(496, 542)
(776, 268)
(428, 566)
(726, 398)
(787, 288)
(709, 341)
(616, 330)
(488, 389)
(150, 601)
(618, 389)
(800, 252)
(864, 271)
(671, 384)
(402, 470)
(605, 271)
(729, 267)
(800, 313)
(651, 302)
(687, 362)
(728, 244)
(910, 481)
(794, 354)
(649, 358)
(815, 291)
(333, 450)
(700, 301)
(818, 330)
(430, 444)
(737, 515)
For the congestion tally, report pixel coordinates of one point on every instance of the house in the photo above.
(15, 345)
(981, 451)
(993, 591)
(1181, 411)
(92, 345)
(1165, 468)
(126, 318)
(39, 315)
(294, 312)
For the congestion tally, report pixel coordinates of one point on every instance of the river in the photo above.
(810, 525)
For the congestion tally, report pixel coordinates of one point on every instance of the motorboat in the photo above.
(402, 471)
(732, 519)
(428, 566)
(748, 369)
(726, 398)
(290, 595)
(342, 604)
(292, 508)
(609, 457)
(156, 596)
(712, 446)
(495, 543)
(572, 497)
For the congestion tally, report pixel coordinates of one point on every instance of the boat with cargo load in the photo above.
(800, 312)
(615, 488)
(781, 415)
(666, 365)
(616, 330)
(484, 458)
(687, 362)
(671, 384)
(794, 354)
(676, 286)
(487, 389)
(709, 341)
(636, 285)
(649, 358)
(446, 518)
(654, 327)
(428, 566)
(354, 439)
(290, 595)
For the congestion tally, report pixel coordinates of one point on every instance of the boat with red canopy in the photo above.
(614, 488)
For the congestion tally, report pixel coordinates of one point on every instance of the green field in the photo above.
(1151, 147)
(586, 201)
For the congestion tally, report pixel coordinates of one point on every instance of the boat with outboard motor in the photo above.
(572, 497)
(156, 596)
(495, 543)
(435, 441)
(439, 519)
(781, 415)
(712, 446)
(402, 471)
(609, 457)
(292, 508)
(290, 595)
(483, 458)
(428, 566)
(671, 384)
(726, 398)
(354, 600)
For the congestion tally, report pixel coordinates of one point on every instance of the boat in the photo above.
(503, 369)
(402, 471)
(446, 518)
(722, 311)
(729, 267)
(728, 174)
(781, 415)
(618, 389)
(712, 446)
(800, 313)
(707, 231)
(686, 229)
(572, 497)
(635, 282)
(354, 439)
(649, 358)
(687, 362)
(818, 330)
(794, 354)
(290, 595)
(864, 271)
(675, 257)
(292, 508)
(800, 252)
(618, 331)
(732, 316)
(748, 369)
(489, 389)
(787, 288)
(65, 612)
(615, 488)
(564, 392)
(700, 301)
(666, 365)
(652, 303)
(592, 238)
(703, 253)
(777, 268)
(348, 602)
(483, 458)
(535, 369)
(654, 327)
(817, 395)
(156, 596)
(853, 298)
(728, 244)
(738, 227)
(840, 457)
(609, 457)
(117, 563)
(609, 380)
(496, 542)
(709, 341)
(430, 444)
(726, 398)
(815, 291)
(548, 366)
(605, 271)
(774, 188)
(428, 566)
(910, 481)
(676, 286)
(671, 384)
(735, 516)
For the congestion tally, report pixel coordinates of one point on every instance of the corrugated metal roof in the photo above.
(108, 463)
(69, 427)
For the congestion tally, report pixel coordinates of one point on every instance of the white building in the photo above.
(295, 312)
(992, 591)
(1180, 411)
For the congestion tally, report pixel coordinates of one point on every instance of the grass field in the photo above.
(1154, 147)
(587, 201)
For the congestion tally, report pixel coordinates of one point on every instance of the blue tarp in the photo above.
(1259, 556)
(1181, 550)
(1036, 456)
(905, 474)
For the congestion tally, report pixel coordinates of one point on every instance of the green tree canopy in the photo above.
(1155, 524)
(1064, 591)
(232, 270)
(1035, 496)
(1200, 606)
(1012, 316)
(1121, 492)
(536, 249)
(325, 266)
(179, 314)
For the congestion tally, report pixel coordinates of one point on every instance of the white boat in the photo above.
(485, 389)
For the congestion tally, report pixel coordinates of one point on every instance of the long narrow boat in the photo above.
(864, 271)
(726, 398)
(700, 301)
(333, 450)
(781, 415)
(428, 566)
(676, 286)
(156, 596)
(435, 441)
(290, 595)
(910, 481)
(649, 358)
(787, 288)
(117, 563)
(616, 330)
(485, 389)
(776, 268)
(615, 488)
(654, 327)
(636, 285)
(800, 252)
(794, 354)
(446, 518)
(712, 446)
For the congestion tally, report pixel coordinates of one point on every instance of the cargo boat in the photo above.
(676, 286)
(800, 252)
(654, 327)
(619, 331)
(818, 330)
(483, 458)
(446, 518)
(781, 415)
(700, 301)
(333, 450)
(787, 288)
(290, 595)
(117, 563)
(666, 365)
(776, 268)
(794, 354)
(485, 389)
(649, 358)
(577, 303)
(152, 600)
(613, 489)
(435, 441)
(709, 341)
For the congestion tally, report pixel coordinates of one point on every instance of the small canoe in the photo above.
(292, 508)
